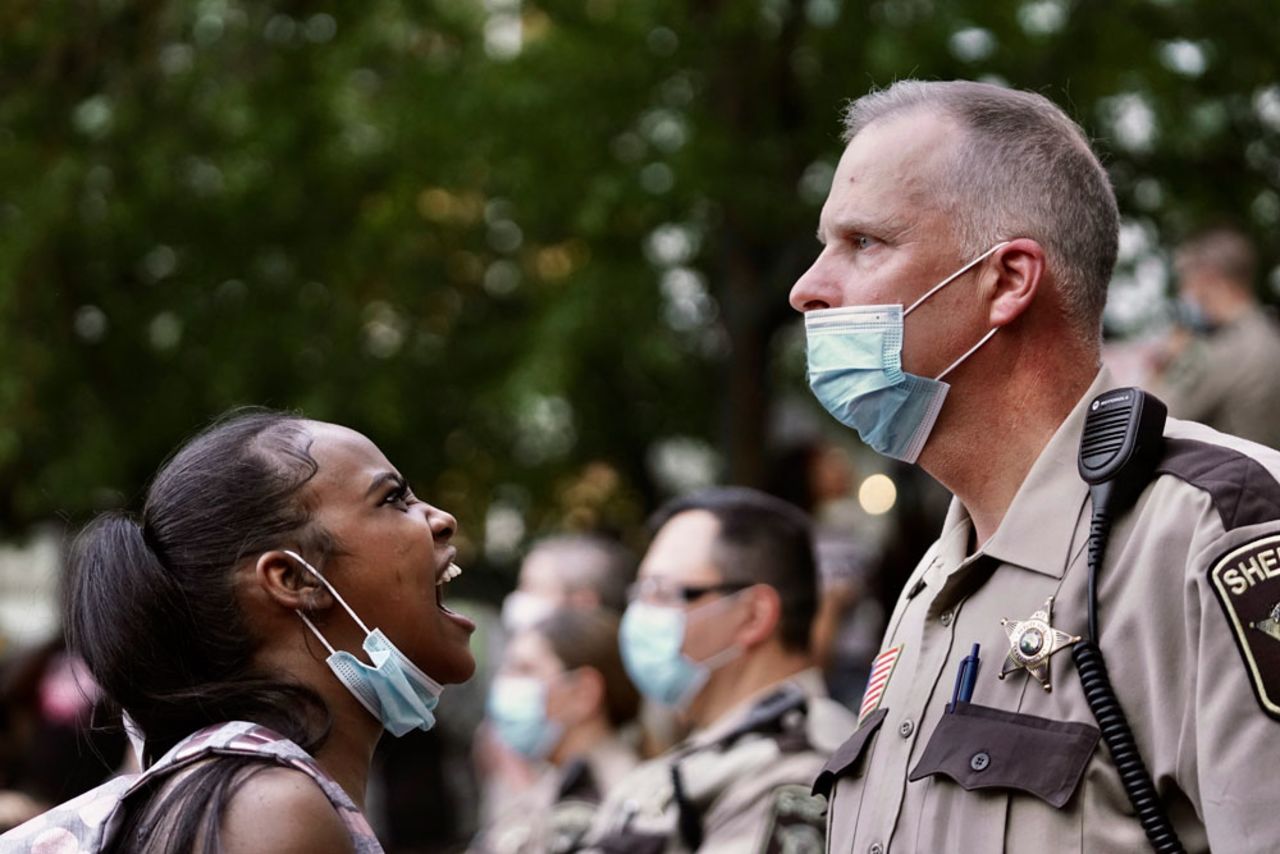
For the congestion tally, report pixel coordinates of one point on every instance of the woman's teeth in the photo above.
(451, 572)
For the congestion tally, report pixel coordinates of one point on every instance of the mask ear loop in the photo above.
(300, 559)
(718, 659)
(957, 274)
(948, 280)
(968, 353)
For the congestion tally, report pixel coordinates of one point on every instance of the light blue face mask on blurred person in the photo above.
(650, 640)
(855, 371)
(517, 708)
(393, 689)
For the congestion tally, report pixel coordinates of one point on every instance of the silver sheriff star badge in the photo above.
(1271, 625)
(1032, 641)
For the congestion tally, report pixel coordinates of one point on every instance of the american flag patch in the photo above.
(881, 668)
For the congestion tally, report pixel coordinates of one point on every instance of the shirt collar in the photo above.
(1038, 527)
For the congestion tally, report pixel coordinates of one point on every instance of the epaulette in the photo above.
(779, 714)
(1242, 490)
(578, 783)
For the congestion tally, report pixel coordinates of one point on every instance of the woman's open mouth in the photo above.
(449, 573)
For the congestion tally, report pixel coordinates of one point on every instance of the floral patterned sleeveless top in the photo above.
(90, 821)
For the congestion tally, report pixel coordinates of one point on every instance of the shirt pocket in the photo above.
(979, 747)
(844, 762)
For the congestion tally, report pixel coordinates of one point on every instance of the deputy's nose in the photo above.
(813, 290)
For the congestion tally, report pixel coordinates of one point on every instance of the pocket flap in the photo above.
(984, 748)
(631, 843)
(848, 753)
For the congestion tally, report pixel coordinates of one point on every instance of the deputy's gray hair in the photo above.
(1022, 168)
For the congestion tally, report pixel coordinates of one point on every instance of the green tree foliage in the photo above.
(523, 245)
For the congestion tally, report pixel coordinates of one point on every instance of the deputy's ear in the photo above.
(1018, 272)
(288, 582)
(763, 613)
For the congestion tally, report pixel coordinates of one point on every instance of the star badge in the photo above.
(1032, 641)
(1270, 626)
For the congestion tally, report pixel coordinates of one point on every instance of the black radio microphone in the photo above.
(1120, 447)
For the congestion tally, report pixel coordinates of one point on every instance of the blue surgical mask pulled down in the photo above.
(393, 689)
(855, 371)
(517, 708)
(650, 640)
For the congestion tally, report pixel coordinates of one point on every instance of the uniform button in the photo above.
(876, 848)
(906, 728)
(945, 619)
(980, 761)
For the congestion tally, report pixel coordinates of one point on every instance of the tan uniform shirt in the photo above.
(1230, 380)
(745, 781)
(555, 813)
(1020, 769)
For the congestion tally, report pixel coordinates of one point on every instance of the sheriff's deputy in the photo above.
(718, 627)
(953, 319)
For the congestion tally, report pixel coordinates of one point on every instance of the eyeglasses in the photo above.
(659, 591)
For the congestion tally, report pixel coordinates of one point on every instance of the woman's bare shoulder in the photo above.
(279, 810)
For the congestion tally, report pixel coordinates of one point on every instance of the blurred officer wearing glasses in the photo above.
(718, 628)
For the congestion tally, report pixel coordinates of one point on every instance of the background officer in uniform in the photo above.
(563, 701)
(971, 232)
(563, 571)
(1222, 370)
(718, 627)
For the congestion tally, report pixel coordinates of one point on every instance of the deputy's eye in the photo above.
(863, 242)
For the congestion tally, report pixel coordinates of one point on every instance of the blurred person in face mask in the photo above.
(569, 570)
(575, 571)
(718, 628)
(560, 700)
(1219, 367)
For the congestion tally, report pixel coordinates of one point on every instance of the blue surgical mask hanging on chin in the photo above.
(855, 371)
(517, 707)
(393, 688)
(650, 640)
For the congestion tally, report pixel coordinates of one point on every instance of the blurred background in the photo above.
(538, 251)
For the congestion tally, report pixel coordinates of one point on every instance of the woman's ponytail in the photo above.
(151, 605)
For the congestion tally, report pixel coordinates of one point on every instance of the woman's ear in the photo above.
(1019, 269)
(289, 583)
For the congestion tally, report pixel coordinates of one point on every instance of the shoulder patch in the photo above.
(1242, 490)
(797, 822)
(1247, 583)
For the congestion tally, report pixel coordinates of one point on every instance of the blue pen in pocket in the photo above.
(965, 679)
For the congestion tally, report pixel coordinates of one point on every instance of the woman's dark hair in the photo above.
(151, 607)
(588, 637)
